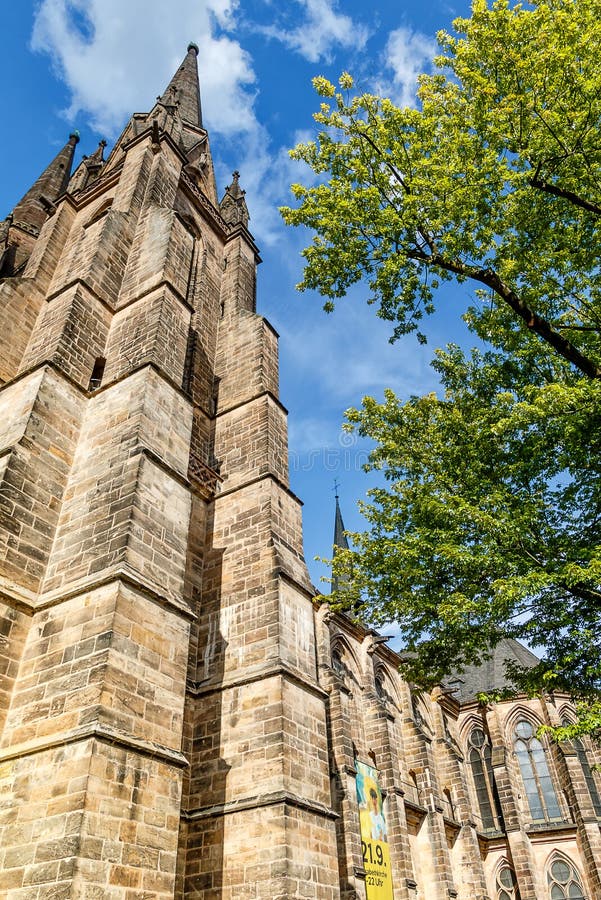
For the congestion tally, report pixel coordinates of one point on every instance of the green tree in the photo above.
(489, 524)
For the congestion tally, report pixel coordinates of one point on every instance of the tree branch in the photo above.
(531, 319)
(574, 198)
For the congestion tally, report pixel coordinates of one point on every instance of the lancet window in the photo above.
(589, 777)
(538, 784)
(480, 758)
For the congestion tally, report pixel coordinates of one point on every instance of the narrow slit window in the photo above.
(97, 373)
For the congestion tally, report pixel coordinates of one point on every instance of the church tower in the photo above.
(162, 727)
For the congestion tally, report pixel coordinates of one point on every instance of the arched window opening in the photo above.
(343, 663)
(100, 212)
(337, 661)
(589, 777)
(417, 716)
(480, 757)
(538, 784)
(564, 881)
(506, 886)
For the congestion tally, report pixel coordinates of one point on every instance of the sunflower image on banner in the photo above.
(374, 834)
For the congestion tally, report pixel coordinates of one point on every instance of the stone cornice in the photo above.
(279, 670)
(258, 801)
(95, 731)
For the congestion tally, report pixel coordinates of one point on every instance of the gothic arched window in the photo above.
(417, 713)
(480, 758)
(542, 799)
(563, 880)
(506, 886)
(588, 776)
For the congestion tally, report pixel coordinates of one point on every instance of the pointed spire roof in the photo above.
(183, 91)
(340, 543)
(340, 539)
(32, 210)
(234, 189)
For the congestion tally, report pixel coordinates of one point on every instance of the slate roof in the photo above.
(491, 674)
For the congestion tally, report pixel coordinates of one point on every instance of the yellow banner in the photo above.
(374, 834)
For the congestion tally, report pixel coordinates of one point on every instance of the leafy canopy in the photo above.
(489, 525)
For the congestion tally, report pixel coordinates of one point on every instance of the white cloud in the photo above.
(407, 54)
(322, 29)
(109, 52)
(347, 354)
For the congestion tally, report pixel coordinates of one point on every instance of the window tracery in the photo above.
(506, 885)
(538, 784)
(420, 713)
(343, 663)
(563, 880)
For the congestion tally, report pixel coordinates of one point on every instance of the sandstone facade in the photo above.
(177, 718)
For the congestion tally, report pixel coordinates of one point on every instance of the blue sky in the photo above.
(88, 64)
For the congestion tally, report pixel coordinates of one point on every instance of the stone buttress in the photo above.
(162, 730)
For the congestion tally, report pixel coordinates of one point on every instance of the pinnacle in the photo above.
(98, 154)
(234, 189)
(233, 205)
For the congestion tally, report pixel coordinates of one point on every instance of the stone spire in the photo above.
(20, 229)
(32, 211)
(97, 157)
(233, 205)
(183, 91)
(340, 539)
(176, 113)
